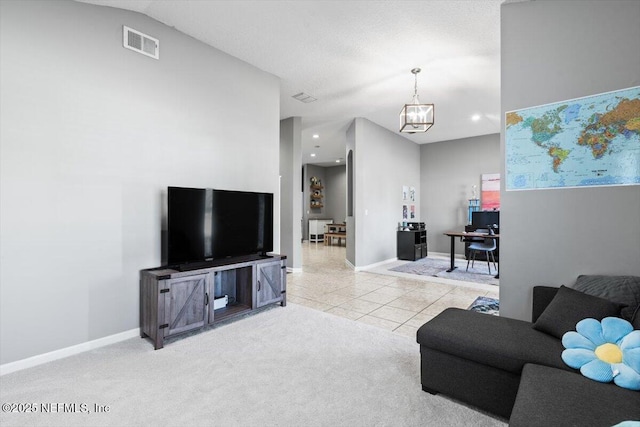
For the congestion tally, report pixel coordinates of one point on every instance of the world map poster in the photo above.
(589, 141)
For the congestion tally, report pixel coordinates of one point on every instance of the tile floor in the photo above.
(397, 302)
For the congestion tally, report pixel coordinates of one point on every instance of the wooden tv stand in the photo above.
(173, 301)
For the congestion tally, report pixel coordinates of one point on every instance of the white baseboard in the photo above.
(370, 266)
(348, 264)
(40, 359)
(294, 270)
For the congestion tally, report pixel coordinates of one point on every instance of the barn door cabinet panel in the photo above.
(174, 302)
(184, 304)
(171, 306)
(270, 279)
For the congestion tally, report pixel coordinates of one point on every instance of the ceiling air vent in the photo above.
(141, 43)
(304, 97)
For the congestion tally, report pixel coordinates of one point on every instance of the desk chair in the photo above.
(486, 245)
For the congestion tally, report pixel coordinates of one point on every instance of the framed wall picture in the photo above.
(490, 191)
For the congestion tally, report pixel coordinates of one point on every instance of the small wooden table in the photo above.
(336, 227)
(335, 231)
(329, 236)
(463, 235)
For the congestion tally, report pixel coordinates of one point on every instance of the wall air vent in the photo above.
(141, 43)
(304, 97)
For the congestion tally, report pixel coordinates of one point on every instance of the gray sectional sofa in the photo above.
(513, 369)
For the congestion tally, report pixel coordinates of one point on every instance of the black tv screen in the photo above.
(207, 224)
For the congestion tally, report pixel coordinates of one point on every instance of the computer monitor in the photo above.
(483, 219)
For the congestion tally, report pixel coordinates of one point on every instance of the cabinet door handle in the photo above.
(258, 284)
(206, 298)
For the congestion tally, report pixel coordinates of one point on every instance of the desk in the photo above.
(480, 256)
(463, 234)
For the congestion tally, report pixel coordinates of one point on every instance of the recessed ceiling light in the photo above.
(316, 136)
(338, 161)
(475, 117)
(313, 154)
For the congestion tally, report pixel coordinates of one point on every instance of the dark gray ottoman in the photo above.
(553, 397)
(478, 358)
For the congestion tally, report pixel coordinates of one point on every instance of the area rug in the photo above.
(437, 267)
(287, 366)
(486, 305)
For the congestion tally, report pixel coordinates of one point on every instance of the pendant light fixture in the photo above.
(416, 117)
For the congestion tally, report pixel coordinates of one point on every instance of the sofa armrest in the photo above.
(542, 296)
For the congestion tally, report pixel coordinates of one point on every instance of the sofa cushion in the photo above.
(499, 342)
(569, 307)
(551, 397)
(622, 289)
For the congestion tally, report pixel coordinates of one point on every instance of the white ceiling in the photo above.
(355, 57)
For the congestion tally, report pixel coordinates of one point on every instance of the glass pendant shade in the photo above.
(416, 117)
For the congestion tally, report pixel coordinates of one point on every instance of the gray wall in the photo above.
(336, 192)
(315, 213)
(291, 197)
(384, 162)
(91, 136)
(334, 181)
(447, 171)
(587, 47)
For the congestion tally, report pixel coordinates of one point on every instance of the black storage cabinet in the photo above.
(412, 244)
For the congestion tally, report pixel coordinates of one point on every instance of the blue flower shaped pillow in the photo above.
(605, 351)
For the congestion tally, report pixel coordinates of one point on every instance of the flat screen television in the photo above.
(205, 224)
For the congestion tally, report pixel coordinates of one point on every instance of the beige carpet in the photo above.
(289, 366)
